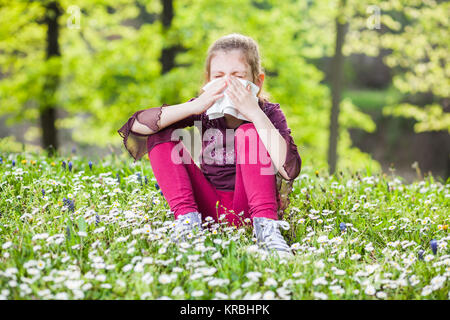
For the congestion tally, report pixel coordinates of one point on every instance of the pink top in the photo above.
(221, 176)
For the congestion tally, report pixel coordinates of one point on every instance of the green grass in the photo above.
(115, 244)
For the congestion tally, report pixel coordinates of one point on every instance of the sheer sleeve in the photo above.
(293, 162)
(139, 144)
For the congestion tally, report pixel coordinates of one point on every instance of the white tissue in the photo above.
(224, 104)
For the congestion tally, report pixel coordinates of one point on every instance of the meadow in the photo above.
(75, 228)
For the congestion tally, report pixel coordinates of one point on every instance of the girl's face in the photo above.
(232, 63)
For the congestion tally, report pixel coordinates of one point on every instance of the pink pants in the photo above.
(186, 189)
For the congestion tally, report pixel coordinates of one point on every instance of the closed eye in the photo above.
(215, 77)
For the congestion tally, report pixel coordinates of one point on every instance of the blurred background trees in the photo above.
(72, 72)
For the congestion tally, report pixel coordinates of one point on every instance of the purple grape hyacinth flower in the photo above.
(71, 206)
(158, 188)
(421, 252)
(90, 165)
(433, 245)
(342, 226)
(70, 165)
(64, 164)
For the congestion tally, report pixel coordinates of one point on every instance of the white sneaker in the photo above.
(186, 225)
(269, 237)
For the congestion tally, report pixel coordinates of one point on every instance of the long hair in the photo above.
(250, 50)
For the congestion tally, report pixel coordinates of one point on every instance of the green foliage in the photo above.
(82, 225)
(351, 117)
(416, 35)
(110, 65)
(430, 118)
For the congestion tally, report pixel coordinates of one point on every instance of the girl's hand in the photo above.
(243, 99)
(209, 96)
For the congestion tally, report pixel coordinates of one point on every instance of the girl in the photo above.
(247, 191)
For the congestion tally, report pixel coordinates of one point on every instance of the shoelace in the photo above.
(271, 234)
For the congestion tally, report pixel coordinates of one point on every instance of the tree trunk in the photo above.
(168, 54)
(51, 81)
(336, 88)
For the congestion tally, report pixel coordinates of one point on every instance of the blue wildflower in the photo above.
(71, 206)
(69, 203)
(157, 186)
(433, 245)
(90, 165)
(43, 192)
(67, 232)
(70, 165)
(118, 177)
(64, 164)
(421, 252)
(342, 226)
(13, 163)
(1, 160)
(97, 219)
(139, 178)
(146, 180)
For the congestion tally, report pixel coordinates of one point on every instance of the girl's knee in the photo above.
(172, 152)
(161, 147)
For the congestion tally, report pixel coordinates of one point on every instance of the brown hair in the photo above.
(248, 47)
